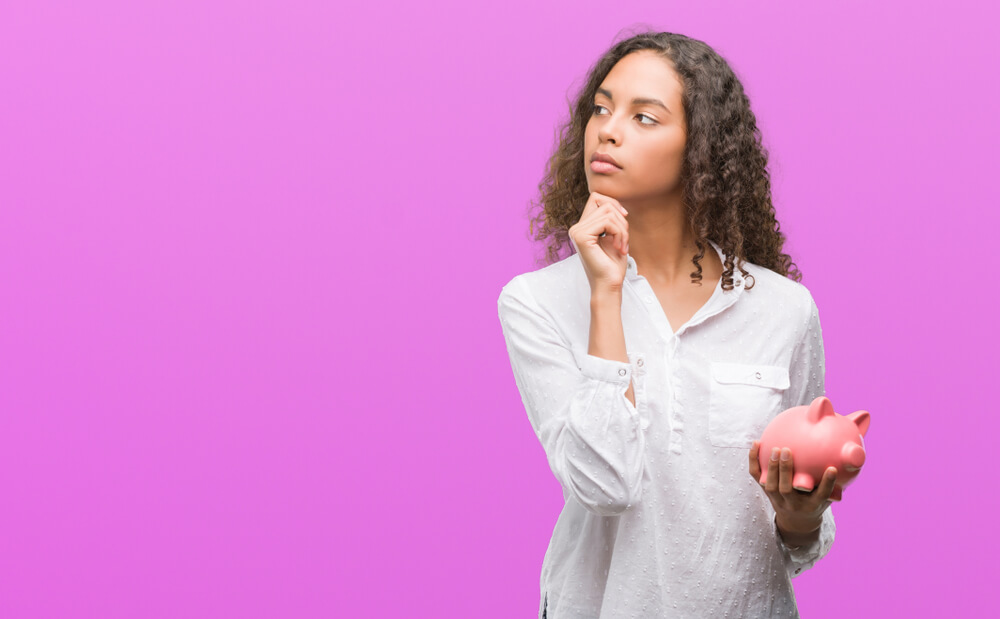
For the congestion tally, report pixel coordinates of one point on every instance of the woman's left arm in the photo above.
(803, 521)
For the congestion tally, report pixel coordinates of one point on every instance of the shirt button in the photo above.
(621, 372)
(648, 300)
(639, 362)
(758, 375)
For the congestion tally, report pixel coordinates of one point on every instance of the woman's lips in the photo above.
(603, 167)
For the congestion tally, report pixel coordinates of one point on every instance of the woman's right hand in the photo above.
(605, 259)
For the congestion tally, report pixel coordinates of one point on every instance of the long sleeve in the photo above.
(591, 433)
(807, 372)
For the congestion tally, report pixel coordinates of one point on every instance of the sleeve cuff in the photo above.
(605, 369)
(804, 557)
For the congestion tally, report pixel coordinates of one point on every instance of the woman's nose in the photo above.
(609, 130)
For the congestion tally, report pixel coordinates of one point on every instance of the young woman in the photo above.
(652, 357)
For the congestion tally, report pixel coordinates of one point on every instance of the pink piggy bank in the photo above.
(819, 438)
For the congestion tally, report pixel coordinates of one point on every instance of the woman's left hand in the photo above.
(796, 511)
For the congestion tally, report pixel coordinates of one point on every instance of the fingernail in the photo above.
(774, 453)
(786, 454)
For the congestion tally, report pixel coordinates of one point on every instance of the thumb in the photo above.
(825, 488)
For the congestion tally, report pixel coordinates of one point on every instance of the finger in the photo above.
(772, 472)
(605, 199)
(825, 488)
(754, 461)
(785, 466)
(620, 218)
(599, 212)
(621, 242)
(593, 203)
(597, 201)
(597, 204)
(616, 226)
(593, 227)
(615, 230)
(591, 210)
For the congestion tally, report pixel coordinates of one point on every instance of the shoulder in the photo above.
(554, 282)
(779, 294)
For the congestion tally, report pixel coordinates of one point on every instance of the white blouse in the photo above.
(662, 516)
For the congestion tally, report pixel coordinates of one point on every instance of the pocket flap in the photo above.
(773, 376)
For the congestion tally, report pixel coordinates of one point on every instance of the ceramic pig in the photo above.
(819, 438)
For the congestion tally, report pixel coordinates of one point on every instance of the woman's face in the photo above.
(645, 138)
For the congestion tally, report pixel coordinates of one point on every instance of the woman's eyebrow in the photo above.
(637, 100)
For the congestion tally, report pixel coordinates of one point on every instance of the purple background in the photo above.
(250, 362)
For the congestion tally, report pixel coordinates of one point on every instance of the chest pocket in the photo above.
(743, 398)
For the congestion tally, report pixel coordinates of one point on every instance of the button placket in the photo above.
(638, 372)
(674, 407)
(637, 360)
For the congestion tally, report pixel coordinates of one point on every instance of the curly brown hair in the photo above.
(726, 184)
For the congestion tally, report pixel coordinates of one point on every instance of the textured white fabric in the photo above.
(662, 517)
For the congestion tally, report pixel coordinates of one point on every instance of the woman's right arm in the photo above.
(607, 335)
(576, 403)
(601, 238)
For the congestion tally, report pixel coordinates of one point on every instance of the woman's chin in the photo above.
(596, 182)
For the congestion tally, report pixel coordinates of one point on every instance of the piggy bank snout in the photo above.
(854, 457)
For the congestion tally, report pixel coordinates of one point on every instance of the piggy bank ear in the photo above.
(861, 419)
(820, 407)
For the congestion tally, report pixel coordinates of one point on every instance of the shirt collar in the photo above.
(632, 273)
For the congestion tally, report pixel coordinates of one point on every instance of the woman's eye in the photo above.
(597, 108)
